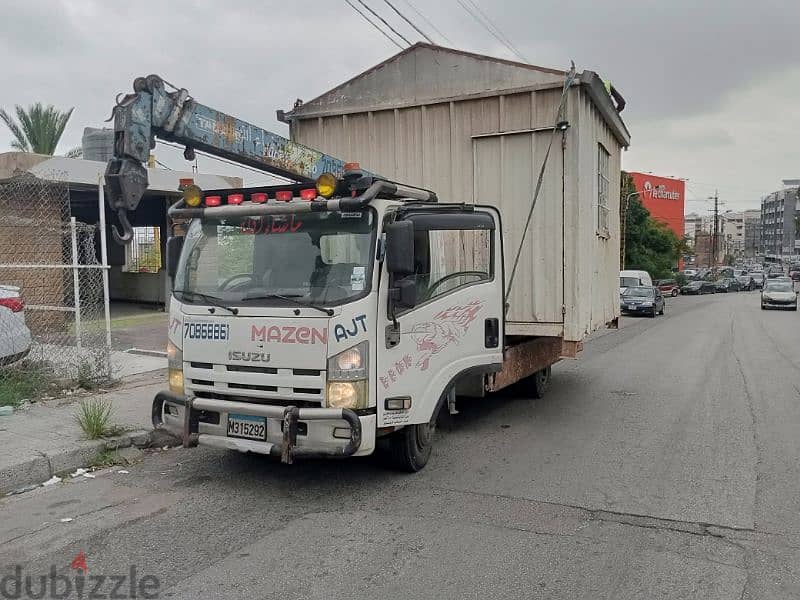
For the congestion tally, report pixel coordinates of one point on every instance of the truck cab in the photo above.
(306, 326)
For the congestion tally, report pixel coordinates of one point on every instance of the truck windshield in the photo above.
(314, 258)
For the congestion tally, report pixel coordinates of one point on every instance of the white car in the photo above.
(778, 294)
(15, 337)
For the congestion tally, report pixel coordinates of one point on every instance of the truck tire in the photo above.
(540, 381)
(410, 448)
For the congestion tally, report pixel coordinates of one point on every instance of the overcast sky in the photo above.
(712, 85)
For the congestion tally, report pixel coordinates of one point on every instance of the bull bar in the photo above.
(289, 415)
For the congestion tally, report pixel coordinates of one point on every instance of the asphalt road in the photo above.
(664, 463)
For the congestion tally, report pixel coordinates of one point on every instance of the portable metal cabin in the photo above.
(476, 129)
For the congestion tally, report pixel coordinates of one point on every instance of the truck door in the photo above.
(442, 312)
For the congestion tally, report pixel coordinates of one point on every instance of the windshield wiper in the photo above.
(327, 311)
(210, 299)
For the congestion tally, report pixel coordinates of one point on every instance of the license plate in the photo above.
(248, 427)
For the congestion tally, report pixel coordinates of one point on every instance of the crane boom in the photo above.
(153, 112)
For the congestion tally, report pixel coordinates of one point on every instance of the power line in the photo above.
(429, 22)
(409, 21)
(495, 35)
(375, 25)
(385, 22)
(499, 31)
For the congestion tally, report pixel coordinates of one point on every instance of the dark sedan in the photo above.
(746, 283)
(727, 284)
(698, 287)
(642, 300)
(758, 279)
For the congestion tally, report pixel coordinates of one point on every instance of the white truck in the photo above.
(315, 319)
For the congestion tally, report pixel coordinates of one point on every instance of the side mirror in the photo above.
(400, 248)
(407, 292)
(402, 295)
(174, 247)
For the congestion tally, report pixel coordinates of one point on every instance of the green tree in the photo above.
(649, 245)
(38, 128)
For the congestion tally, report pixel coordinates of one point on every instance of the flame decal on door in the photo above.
(447, 327)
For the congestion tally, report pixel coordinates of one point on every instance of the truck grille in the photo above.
(255, 383)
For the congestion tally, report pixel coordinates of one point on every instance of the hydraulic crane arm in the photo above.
(152, 111)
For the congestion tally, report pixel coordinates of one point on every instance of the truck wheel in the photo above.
(540, 381)
(674, 292)
(410, 448)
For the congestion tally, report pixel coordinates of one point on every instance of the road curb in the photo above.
(35, 470)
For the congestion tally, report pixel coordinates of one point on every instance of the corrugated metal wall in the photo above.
(445, 147)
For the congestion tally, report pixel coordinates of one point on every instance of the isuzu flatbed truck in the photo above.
(317, 318)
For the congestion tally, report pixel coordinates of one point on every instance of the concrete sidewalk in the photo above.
(44, 439)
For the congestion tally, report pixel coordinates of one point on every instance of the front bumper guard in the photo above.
(290, 415)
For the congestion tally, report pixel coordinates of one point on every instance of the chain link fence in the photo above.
(53, 325)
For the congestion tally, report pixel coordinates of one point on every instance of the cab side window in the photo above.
(446, 259)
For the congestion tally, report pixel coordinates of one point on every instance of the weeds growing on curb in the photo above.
(93, 417)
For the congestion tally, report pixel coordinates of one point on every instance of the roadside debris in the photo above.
(52, 481)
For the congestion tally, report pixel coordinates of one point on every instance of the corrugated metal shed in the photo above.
(476, 129)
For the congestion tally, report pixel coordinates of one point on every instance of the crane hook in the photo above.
(127, 231)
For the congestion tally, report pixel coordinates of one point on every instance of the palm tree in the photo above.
(37, 129)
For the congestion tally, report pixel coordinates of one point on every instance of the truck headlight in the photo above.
(347, 378)
(175, 368)
(346, 394)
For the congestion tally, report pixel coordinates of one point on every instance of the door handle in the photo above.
(491, 333)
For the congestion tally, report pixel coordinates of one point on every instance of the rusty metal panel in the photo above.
(525, 359)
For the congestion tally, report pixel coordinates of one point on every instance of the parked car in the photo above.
(668, 287)
(758, 279)
(698, 287)
(746, 283)
(778, 294)
(633, 278)
(727, 284)
(643, 300)
(794, 272)
(15, 337)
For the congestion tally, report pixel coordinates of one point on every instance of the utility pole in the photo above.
(715, 235)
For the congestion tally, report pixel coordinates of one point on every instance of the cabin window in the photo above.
(603, 187)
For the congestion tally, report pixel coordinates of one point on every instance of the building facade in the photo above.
(752, 233)
(779, 225)
(664, 198)
(704, 250)
(733, 231)
(692, 224)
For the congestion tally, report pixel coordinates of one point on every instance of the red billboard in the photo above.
(664, 198)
